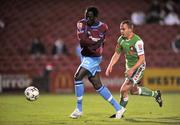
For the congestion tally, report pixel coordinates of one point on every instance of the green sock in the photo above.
(123, 101)
(147, 92)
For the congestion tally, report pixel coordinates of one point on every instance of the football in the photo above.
(31, 93)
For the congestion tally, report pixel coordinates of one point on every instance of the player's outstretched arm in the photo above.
(113, 61)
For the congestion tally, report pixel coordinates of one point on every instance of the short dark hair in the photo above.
(92, 9)
(129, 23)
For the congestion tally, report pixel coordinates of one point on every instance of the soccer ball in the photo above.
(31, 93)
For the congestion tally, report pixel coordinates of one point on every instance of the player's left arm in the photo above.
(139, 62)
(101, 35)
(103, 31)
(139, 46)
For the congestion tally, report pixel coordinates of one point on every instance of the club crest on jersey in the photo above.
(132, 50)
(79, 25)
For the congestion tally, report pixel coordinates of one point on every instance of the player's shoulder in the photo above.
(103, 25)
(138, 40)
(137, 37)
(120, 39)
(82, 21)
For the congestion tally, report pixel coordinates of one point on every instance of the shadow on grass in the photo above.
(161, 120)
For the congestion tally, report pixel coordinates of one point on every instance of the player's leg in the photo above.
(79, 91)
(106, 94)
(124, 90)
(143, 91)
(136, 78)
(103, 90)
(127, 86)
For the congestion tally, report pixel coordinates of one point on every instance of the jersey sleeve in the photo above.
(139, 47)
(118, 48)
(80, 27)
(105, 28)
(102, 31)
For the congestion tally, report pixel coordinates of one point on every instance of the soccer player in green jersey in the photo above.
(132, 46)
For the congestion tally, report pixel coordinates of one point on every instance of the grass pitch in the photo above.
(55, 110)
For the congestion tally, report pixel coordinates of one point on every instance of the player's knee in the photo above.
(135, 93)
(97, 86)
(122, 90)
(132, 92)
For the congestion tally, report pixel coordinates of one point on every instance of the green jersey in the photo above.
(132, 49)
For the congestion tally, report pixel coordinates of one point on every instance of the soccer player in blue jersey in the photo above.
(91, 34)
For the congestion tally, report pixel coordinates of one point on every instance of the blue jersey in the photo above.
(89, 47)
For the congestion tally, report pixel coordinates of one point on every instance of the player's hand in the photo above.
(130, 72)
(108, 70)
(94, 39)
(99, 43)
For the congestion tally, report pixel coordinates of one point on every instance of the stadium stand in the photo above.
(53, 19)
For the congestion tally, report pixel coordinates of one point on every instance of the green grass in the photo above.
(55, 110)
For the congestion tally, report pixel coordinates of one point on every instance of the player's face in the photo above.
(125, 30)
(90, 18)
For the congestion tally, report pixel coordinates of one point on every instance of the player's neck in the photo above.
(95, 23)
(130, 36)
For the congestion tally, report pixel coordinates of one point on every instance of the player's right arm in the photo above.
(114, 60)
